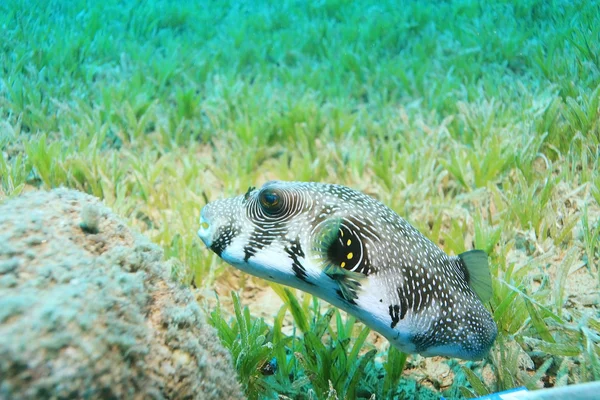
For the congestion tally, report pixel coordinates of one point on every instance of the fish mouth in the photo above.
(205, 231)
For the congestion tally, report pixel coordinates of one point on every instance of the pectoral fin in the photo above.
(349, 282)
(328, 235)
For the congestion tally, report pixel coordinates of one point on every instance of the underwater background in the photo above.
(477, 122)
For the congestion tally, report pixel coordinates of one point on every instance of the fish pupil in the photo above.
(270, 198)
(270, 201)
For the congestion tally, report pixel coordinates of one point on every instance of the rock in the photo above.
(87, 310)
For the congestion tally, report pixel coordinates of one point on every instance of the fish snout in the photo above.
(205, 232)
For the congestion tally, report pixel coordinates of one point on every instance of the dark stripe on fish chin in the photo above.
(294, 251)
(258, 240)
(223, 238)
(218, 248)
(248, 252)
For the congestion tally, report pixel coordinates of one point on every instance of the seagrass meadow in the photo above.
(478, 122)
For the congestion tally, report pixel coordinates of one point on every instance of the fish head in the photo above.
(270, 232)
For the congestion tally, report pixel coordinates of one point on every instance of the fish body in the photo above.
(360, 256)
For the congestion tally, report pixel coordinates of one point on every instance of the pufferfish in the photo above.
(360, 256)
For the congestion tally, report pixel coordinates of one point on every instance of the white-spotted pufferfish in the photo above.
(357, 254)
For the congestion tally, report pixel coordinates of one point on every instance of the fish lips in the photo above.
(205, 233)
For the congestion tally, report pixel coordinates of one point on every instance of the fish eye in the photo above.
(270, 201)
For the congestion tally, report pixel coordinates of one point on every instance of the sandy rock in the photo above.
(87, 310)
